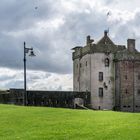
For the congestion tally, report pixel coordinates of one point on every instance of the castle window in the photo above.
(105, 86)
(86, 63)
(100, 92)
(77, 66)
(78, 78)
(80, 65)
(107, 62)
(139, 77)
(139, 91)
(126, 91)
(125, 77)
(100, 76)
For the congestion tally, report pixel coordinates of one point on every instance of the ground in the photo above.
(42, 123)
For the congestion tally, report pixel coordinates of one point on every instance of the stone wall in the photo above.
(107, 84)
(86, 78)
(121, 79)
(137, 86)
(127, 85)
(45, 98)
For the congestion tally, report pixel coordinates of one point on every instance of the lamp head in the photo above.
(32, 53)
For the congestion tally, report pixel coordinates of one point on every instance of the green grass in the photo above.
(41, 123)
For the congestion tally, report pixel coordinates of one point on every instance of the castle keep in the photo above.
(110, 72)
(105, 76)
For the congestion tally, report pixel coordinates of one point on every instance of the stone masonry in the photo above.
(110, 72)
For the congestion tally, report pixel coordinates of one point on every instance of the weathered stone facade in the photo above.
(65, 99)
(110, 72)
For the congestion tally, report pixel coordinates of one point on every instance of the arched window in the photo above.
(107, 62)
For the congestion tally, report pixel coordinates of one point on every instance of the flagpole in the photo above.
(108, 14)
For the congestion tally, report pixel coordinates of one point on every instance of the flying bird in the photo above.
(36, 7)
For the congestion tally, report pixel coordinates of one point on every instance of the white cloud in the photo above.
(36, 80)
(53, 82)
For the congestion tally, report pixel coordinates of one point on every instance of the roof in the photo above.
(105, 40)
(77, 47)
(104, 45)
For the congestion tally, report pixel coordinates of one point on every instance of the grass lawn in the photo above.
(41, 123)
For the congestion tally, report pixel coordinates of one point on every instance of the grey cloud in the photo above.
(14, 84)
(128, 30)
(32, 75)
(22, 14)
(112, 2)
(52, 46)
(6, 77)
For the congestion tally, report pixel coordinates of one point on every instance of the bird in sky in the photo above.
(36, 7)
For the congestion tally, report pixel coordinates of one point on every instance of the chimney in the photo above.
(88, 39)
(131, 45)
(105, 32)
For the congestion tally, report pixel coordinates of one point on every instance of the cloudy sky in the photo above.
(52, 28)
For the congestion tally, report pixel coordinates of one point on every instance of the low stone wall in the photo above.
(4, 97)
(45, 98)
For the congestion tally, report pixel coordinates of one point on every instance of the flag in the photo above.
(108, 13)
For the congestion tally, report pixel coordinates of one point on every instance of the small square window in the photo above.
(139, 77)
(100, 92)
(125, 77)
(100, 76)
(139, 91)
(126, 91)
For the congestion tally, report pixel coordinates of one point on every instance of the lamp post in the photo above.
(26, 51)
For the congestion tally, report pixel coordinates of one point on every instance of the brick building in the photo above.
(110, 72)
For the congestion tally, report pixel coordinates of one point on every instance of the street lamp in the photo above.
(31, 53)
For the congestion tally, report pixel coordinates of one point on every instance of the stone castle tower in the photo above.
(110, 72)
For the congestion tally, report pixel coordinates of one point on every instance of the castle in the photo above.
(106, 76)
(110, 72)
